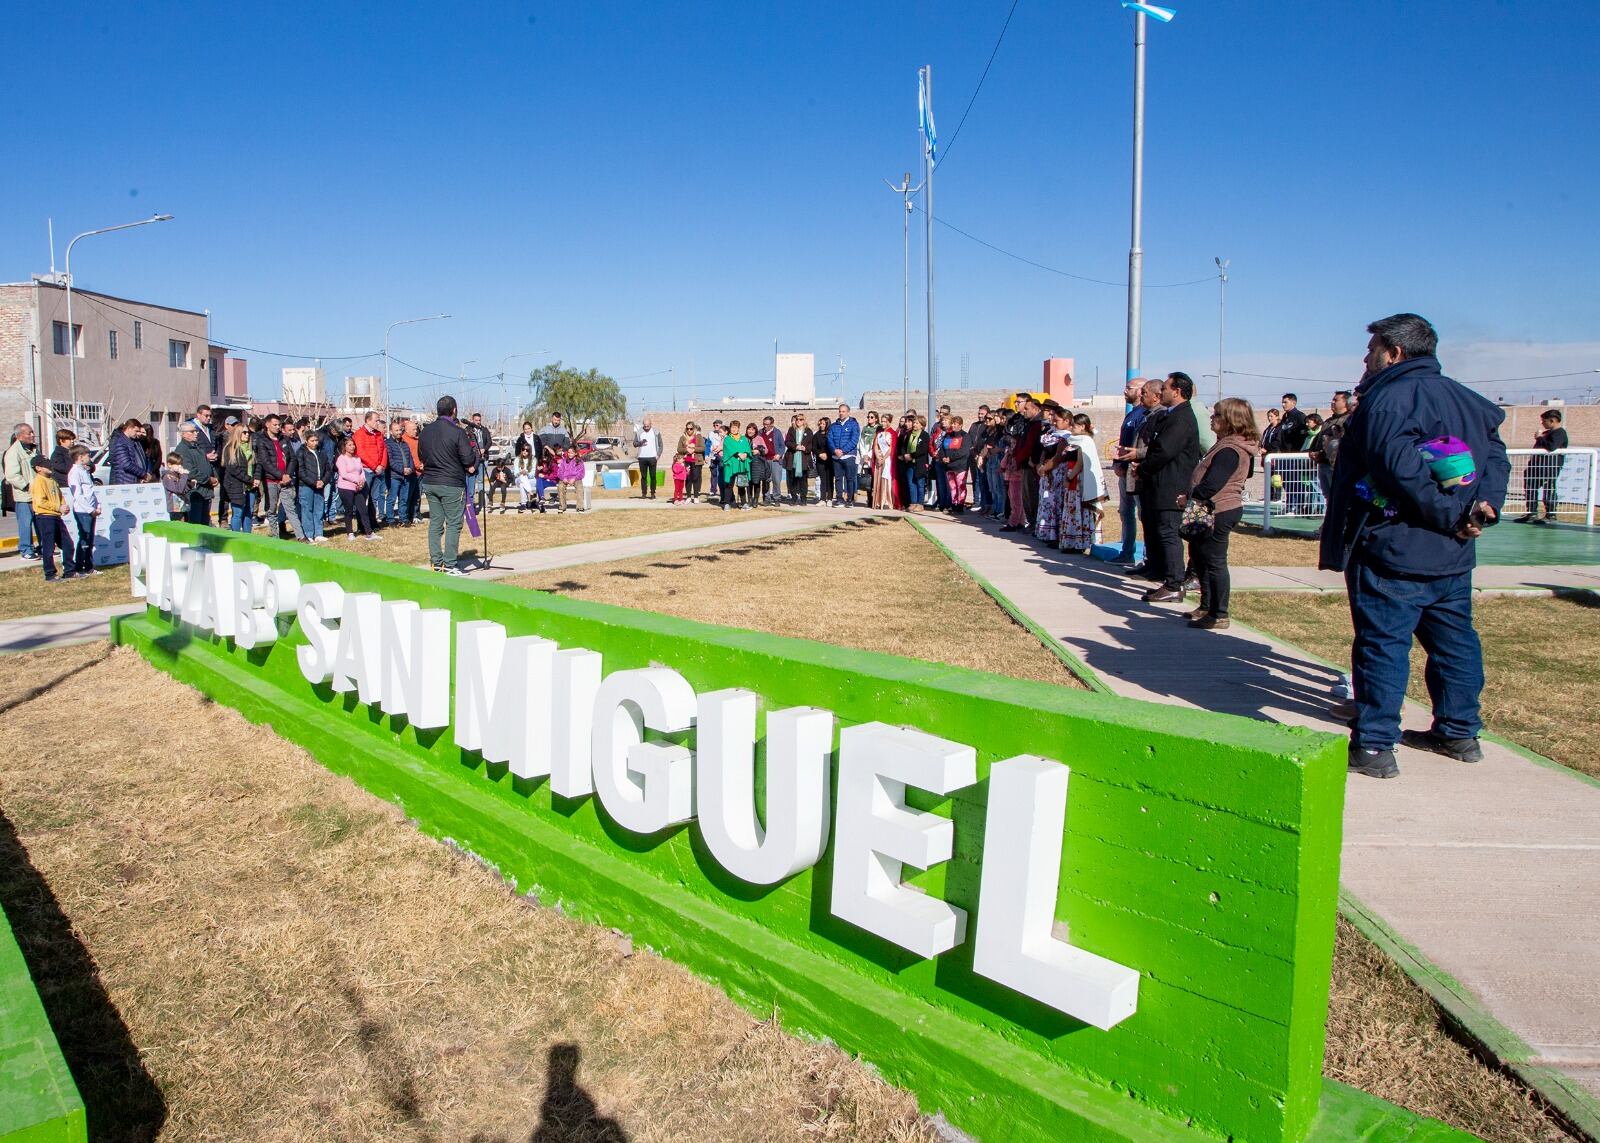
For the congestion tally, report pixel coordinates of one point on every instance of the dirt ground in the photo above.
(889, 590)
(1541, 661)
(233, 943)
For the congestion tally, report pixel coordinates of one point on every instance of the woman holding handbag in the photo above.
(1215, 503)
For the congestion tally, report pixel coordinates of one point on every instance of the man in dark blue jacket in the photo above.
(1405, 542)
(844, 436)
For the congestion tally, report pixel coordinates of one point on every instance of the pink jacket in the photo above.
(569, 469)
(352, 473)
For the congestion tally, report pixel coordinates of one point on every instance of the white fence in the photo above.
(1290, 485)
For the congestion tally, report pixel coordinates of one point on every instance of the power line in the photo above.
(1056, 270)
(101, 302)
(1490, 381)
(957, 133)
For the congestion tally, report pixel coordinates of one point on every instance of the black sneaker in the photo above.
(1461, 749)
(1373, 763)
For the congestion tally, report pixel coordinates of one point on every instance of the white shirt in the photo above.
(80, 490)
(648, 442)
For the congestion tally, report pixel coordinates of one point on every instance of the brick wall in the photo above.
(16, 337)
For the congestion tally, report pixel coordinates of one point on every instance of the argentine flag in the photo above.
(1163, 14)
(925, 120)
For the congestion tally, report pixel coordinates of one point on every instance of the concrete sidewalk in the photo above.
(1491, 871)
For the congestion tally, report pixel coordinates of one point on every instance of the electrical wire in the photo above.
(1490, 381)
(963, 121)
(97, 300)
(1056, 270)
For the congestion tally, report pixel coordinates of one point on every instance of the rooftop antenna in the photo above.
(50, 224)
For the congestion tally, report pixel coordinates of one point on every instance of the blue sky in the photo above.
(642, 187)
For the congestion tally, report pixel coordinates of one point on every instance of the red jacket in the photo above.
(372, 448)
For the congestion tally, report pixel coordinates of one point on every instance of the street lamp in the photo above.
(407, 321)
(1136, 245)
(503, 361)
(905, 190)
(1222, 314)
(72, 342)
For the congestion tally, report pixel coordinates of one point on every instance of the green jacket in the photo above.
(735, 457)
(19, 471)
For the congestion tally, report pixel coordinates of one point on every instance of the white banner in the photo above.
(124, 510)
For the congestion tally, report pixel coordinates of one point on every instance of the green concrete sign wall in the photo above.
(874, 845)
(38, 1101)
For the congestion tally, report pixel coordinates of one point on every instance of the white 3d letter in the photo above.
(416, 663)
(577, 680)
(503, 689)
(138, 545)
(217, 607)
(798, 743)
(876, 833)
(319, 602)
(251, 625)
(644, 786)
(1017, 901)
(358, 662)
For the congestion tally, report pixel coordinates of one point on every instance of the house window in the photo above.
(215, 392)
(58, 336)
(138, 335)
(60, 411)
(177, 353)
(112, 343)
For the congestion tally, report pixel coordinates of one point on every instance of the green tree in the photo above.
(582, 397)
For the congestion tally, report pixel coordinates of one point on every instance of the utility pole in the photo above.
(905, 190)
(929, 157)
(1135, 248)
(1222, 315)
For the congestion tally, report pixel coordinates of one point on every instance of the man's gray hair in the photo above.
(1412, 334)
(20, 425)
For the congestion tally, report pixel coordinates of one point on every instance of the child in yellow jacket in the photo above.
(49, 508)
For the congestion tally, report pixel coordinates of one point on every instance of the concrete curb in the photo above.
(1466, 1016)
(1077, 666)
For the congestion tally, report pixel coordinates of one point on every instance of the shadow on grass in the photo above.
(568, 1113)
(121, 1099)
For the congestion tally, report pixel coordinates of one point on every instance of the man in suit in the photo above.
(1164, 475)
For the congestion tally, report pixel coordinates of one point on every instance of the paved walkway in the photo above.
(1492, 871)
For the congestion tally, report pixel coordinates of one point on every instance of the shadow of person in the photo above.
(568, 1114)
(122, 1100)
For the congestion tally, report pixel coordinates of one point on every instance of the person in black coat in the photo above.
(1164, 475)
(1401, 525)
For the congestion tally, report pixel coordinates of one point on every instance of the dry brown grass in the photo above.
(874, 584)
(24, 592)
(294, 961)
(1541, 660)
(1384, 1037)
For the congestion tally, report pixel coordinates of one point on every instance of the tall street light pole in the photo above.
(905, 190)
(1222, 315)
(930, 157)
(1141, 10)
(387, 332)
(72, 341)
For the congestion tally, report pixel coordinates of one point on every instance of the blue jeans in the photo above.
(846, 479)
(378, 494)
(1386, 612)
(941, 486)
(240, 517)
(997, 485)
(919, 485)
(1128, 510)
(85, 521)
(25, 545)
(396, 508)
(311, 511)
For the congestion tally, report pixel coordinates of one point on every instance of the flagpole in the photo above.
(927, 202)
(1135, 249)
